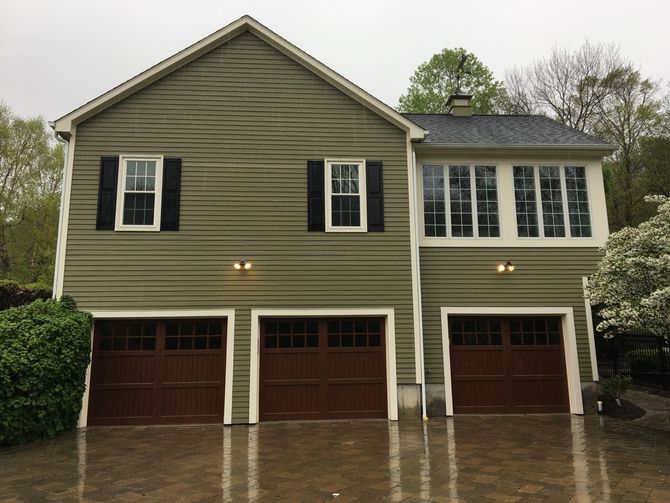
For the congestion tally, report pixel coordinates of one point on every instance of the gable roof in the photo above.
(504, 131)
(64, 126)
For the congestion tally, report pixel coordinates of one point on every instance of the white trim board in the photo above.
(229, 314)
(590, 330)
(391, 372)
(569, 346)
(65, 124)
(64, 218)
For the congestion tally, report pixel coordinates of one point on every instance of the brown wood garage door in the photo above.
(507, 365)
(322, 369)
(157, 372)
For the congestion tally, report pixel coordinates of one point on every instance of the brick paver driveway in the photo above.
(469, 458)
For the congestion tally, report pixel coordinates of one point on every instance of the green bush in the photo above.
(14, 295)
(615, 386)
(44, 353)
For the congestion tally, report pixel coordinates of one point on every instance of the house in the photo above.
(260, 239)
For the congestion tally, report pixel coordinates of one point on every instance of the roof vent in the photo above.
(459, 105)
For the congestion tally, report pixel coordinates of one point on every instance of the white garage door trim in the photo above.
(229, 314)
(569, 345)
(391, 374)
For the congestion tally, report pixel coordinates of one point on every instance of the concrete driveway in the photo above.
(468, 458)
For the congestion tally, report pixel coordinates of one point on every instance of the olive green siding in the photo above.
(467, 277)
(245, 119)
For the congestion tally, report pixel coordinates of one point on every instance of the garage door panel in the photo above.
(357, 400)
(345, 364)
(192, 367)
(507, 365)
(322, 369)
(136, 380)
(121, 369)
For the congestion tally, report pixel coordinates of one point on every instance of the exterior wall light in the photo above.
(507, 266)
(243, 264)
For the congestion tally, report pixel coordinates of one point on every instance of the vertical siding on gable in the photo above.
(245, 119)
(467, 277)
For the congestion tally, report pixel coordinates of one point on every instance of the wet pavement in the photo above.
(469, 458)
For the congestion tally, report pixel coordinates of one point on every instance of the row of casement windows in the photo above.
(144, 194)
(461, 201)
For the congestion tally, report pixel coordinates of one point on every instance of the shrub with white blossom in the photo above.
(631, 286)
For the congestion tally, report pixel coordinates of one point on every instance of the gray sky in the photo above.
(56, 55)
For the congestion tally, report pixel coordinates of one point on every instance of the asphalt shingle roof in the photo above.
(500, 130)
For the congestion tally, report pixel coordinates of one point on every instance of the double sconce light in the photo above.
(243, 264)
(507, 266)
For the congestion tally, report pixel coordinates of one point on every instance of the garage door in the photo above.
(157, 372)
(322, 369)
(507, 365)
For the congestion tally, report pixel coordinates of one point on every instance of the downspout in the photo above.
(416, 270)
(66, 147)
(418, 289)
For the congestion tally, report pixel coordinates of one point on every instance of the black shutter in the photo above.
(109, 175)
(171, 194)
(375, 193)
(316, 218)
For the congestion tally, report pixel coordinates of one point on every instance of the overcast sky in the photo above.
(56, 55)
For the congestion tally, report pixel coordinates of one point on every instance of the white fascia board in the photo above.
(246, 23)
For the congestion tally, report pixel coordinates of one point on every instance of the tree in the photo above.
(567, 85)
(632, 282)
(434, 81)
(631, 112)
(30, 179)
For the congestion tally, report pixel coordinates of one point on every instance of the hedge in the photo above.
(44, 353)
(13, 295)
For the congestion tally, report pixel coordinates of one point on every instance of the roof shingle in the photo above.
(501, 130)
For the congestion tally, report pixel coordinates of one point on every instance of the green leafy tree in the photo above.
(631, 286)
(435, 80)
(30, 178)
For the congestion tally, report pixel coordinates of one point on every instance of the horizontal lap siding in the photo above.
(244, 119)
(467, 277)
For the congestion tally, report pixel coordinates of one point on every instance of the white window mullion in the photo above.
(447, 199)
(538, 197)
(564, 198)
(473, 202)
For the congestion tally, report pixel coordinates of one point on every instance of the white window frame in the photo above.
(121, 193)
(564, 201)
(362, 194)
(473, 192)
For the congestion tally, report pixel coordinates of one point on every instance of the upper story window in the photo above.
(471, 200)
(139, 197)
(542, 195)
(346, 205)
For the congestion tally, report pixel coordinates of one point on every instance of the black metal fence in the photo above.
(644, 357)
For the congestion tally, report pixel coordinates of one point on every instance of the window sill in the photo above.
(433, 242)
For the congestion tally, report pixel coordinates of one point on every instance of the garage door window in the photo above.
(535, 332)
(284, 334)
(193, 334)
(353, 333)
(475, 332)
(127, 335)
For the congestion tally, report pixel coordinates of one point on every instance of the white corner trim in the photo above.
(245, 23)
(590, 329)
(83, 412)
(391, 372)
(64, 217)
(229, 314)
(569, 346)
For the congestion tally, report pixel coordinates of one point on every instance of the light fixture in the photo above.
(243, 264)
(507, 266)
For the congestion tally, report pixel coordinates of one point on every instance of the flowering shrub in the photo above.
(631, 286)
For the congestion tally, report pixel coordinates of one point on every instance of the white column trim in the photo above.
(569, 346)
(229, 314)
(590, 329)
(391, 372)
(64, 217)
